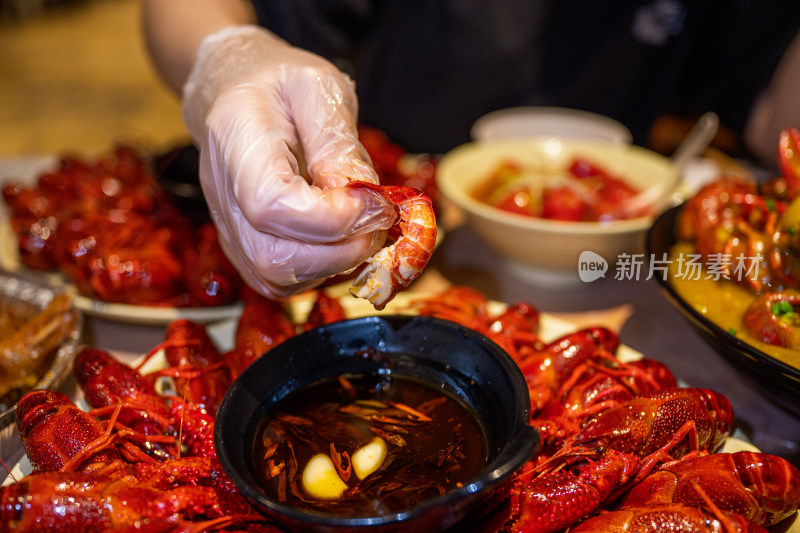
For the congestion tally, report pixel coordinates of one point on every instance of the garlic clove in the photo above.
(369, 457)
(320, 479)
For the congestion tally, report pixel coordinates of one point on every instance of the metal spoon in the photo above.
(694, 144)
(696, 141)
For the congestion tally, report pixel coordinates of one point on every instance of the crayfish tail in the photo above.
(375, 282)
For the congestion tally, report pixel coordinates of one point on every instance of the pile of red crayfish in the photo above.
(111, 229)
(624, 448)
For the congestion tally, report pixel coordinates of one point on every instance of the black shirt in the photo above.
(425, 70)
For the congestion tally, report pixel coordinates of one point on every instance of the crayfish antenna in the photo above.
(726, 523)
(10, 473)
(181, 343)
(222, 522)
(565, 455)
(180, 428)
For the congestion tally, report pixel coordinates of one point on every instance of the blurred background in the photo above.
(76, 78)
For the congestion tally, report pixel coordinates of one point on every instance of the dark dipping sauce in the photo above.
(434, 443)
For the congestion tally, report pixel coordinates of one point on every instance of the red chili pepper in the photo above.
(519, 202)
(564, 203)
(612, 197)
(582, 168)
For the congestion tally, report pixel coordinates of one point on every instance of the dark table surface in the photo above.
(655, 328)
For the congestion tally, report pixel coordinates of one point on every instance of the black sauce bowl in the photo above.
(437, 352)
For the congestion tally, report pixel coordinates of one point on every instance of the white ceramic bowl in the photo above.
(547, 251)
(527, 122)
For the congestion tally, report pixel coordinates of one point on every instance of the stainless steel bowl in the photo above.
(30, 295)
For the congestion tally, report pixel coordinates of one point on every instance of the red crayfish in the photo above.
(623, 446)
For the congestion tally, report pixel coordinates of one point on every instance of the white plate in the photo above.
(154, 316)
(26, 171)
(132, 314)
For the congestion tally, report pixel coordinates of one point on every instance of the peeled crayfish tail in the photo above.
(394, 267)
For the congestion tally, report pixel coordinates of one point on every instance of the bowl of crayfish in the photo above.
(384, 422)
(732, 268)
(540, 202)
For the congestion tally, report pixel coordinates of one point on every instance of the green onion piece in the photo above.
(782, 310)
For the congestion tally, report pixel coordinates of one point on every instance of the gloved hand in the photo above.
(263, 114)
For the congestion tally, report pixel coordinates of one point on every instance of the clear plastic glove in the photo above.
(265, 113)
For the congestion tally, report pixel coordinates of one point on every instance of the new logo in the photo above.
(591, 266)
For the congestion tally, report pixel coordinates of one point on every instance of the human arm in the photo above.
(776, 108)
(174, 29)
